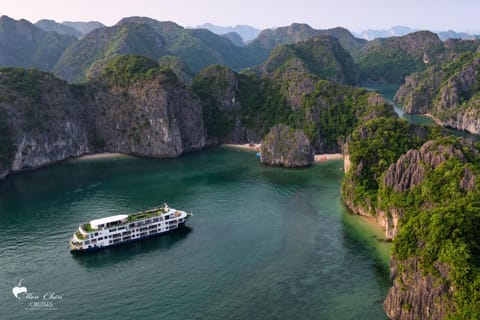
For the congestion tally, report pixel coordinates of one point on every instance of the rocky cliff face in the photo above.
(418, 91)
(451, 93)
(48, 121)
(407, 172)
(155, 118)
(415, 295)
(410, 169)
(287, 147)
(422, 200)
(218, 89)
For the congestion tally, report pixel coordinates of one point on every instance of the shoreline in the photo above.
(435, 119)
(255, 147)
(322, 157)
(252, 147)
(102, 155)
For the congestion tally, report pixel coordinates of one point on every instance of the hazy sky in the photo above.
(460, 15)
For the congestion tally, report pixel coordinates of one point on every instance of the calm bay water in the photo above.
(264, 243)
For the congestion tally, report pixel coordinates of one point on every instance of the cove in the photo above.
(264, 243)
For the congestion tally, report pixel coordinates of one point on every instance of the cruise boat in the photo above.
(114, 230)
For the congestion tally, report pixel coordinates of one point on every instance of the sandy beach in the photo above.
(328, 156)
(104, 155)
(255, 147)
(246, 146)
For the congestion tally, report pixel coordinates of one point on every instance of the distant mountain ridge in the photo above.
(248, 33)
(76, 29)
(144, 36)
(398, 31)
(23, 44)
(268, 39)
(84, 27)
(51, 25)
(322, 56)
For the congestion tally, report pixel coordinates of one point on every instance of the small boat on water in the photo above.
(114, 230)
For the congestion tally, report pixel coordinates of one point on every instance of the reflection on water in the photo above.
(264, 243)
(112, 255)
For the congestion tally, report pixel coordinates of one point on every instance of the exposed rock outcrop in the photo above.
(427, 297)
(419, 90)
(409, 171)
(155, 118)
(450, 94)
(287, 147)
(48, 121)
(421, 201)
(411, 168)
(218, 89)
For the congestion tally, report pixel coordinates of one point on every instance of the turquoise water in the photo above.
(388, 92)
(264, 243)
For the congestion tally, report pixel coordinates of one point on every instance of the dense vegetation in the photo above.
(210, 86)
(51, 25)
(325, 111)
(102, 44)
(24, 45)
(441, 215)
(268, 39)
(447, 90)
(124, 70)
(373, 147)
(322, 56)
(178, 66)
(295, 86)
(440, 227)
(390, 60)
(25, 81)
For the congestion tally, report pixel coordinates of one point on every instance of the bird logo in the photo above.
(19, 289)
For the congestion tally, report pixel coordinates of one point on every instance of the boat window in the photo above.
(87, 242)
(96, 234)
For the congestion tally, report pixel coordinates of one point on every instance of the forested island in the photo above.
(156, 89)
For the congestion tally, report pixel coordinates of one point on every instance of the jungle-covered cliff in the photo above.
(450, 93)
(134, 107)
(421, 187)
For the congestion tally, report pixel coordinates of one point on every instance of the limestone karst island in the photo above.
(319, 171)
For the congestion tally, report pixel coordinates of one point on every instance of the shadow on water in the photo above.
(121, 253)
(366, 239)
